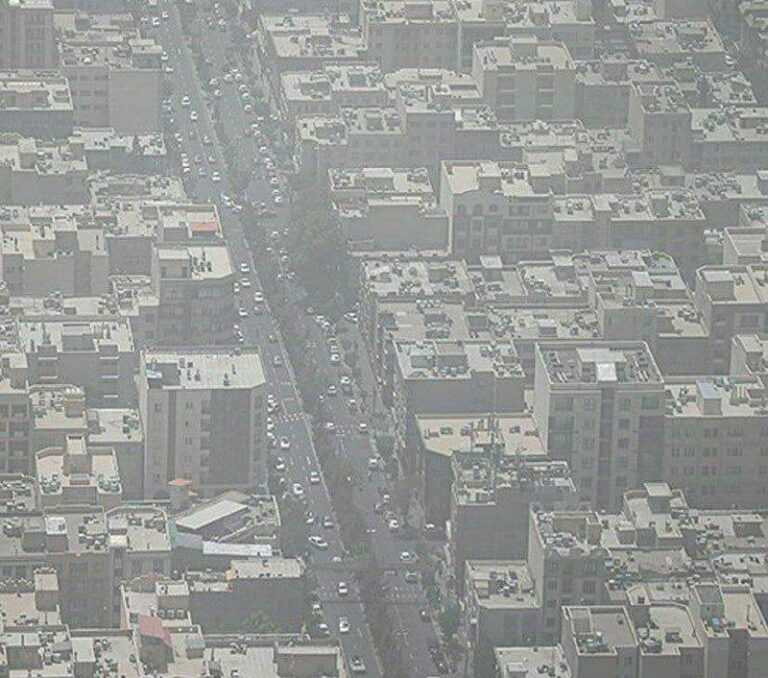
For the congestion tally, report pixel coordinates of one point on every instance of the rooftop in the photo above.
(199, 369)
(501, 584)
(599, 363)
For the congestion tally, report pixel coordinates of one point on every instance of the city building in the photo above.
(410, 33)
(79, 474)
(36, 104)
(388, 209)
(28, 35)
(194, 285)
(600, 407)
(495, 208)
(526, 78)
(115, 75)
(203, 418)
(98, 356)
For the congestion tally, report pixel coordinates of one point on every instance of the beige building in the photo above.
(649, 640)
(494, 486)
(324, 91)
(567, 563)
(53, 249)
(714, 435)
(203, 415)
(410, 33)
(36, 104)
(28, 36)
(732, 300)
(304, 42)
(502, 606)
(660, 122)
(437, 377)
(600, 406)
(388, 209)
(194, 284)
(98, 356)
(15, 414)
(495, 208)
(115, 75)
(525, 78)
(80, 474)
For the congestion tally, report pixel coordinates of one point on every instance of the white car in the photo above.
(393, 524)
(318, 542)
(330, 427)
(186, 102)
(279, 464)
(242, 312)
(297, 490)
(277, 361)
(344, 625)
(342, 588)
(406, 557)
(285, 444)
(245, 283)
(193, 116)
(245, 268)
(335, 358)
(215, 177)
(278, 200)
(362, 427)
(258, 297)
(314, 478)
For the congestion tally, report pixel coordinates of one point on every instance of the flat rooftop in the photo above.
(190, 369)
(601, 363)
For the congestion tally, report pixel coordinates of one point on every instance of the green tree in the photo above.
(449, 619)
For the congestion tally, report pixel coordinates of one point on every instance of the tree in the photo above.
(293, 532)
(449, 619)
(315, 239)
(260, 622)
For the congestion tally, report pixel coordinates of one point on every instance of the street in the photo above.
(197, 139)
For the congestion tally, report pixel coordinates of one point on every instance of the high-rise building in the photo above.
(203, 416)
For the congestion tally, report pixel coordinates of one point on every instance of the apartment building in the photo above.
(136, 226)
(494, 487)
(495, 208)
(660, 122)
(98, 356)
(203, 415)
(51, 249)
(104, 149)
(387, 208)
(410, 33)
(28, 35)
(749, 355)
(434, 377)
(567, 564)
(714, 432)
(304, 42)
(502, 606)
(647, 640)
(745, 245)
(731, 300)
(115, 75)
(327, 90)
(602, 90)
(666, 43)
(599, 406)
(658, 219)
(36, 104)
(78, 473)
(194, 284)
(728, 138)
(73, 540)
(525, 78)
